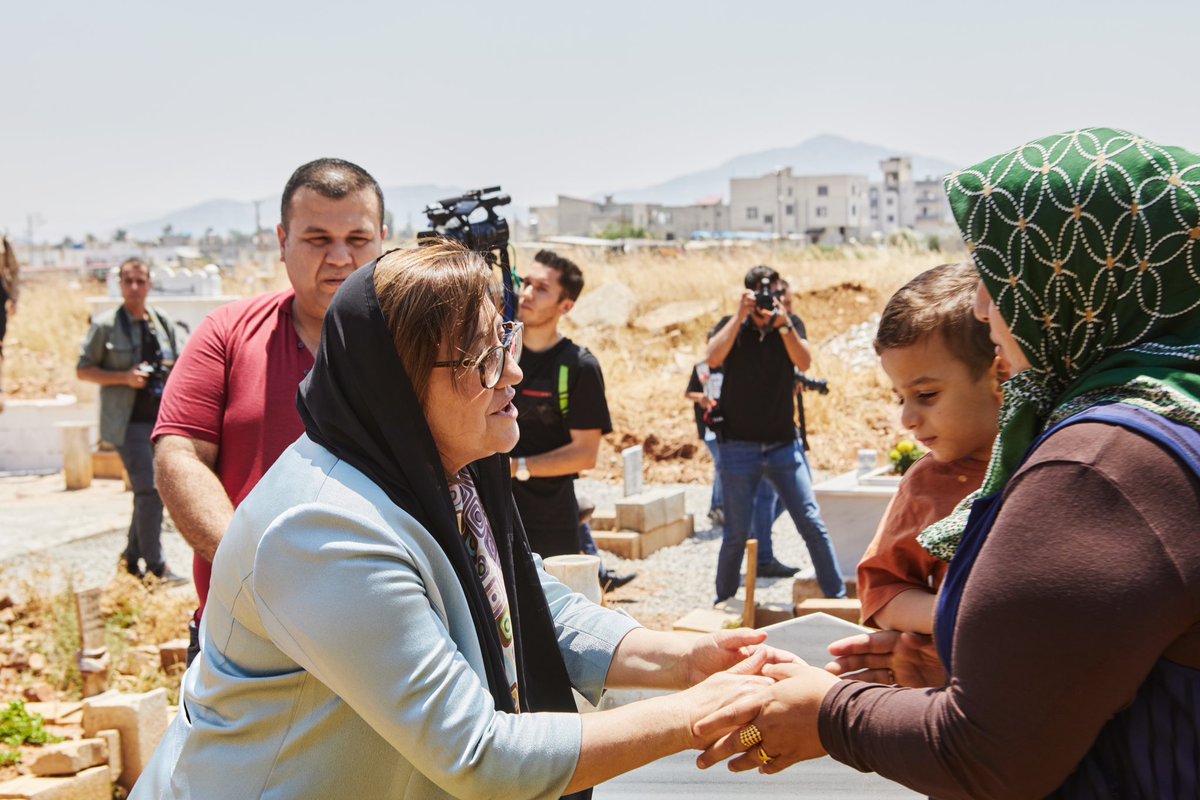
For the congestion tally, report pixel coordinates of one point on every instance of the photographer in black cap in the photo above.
(128, 351)
(759, 348)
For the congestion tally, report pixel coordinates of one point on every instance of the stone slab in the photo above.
(849, 609)
(650, 509)
(141, 720)
(810, 636)
(91, 784)
(605, 520)
(707, 620)
(70, 757)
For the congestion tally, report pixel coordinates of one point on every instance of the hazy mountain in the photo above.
(821, 155)
(405, 203)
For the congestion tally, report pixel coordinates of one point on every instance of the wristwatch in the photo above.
(784, 328)
(522, 473)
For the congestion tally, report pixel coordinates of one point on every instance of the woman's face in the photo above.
(1006, 346)
(469, 422)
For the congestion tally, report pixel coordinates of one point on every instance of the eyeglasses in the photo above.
(492, 361)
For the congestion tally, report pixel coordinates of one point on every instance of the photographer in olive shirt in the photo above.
(129, 351)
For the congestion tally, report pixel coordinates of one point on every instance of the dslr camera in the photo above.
(764, 298)
(156, 376)
(471, 220)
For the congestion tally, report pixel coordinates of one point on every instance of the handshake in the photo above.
(762, 711)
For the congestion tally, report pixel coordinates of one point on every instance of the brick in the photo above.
(848, 609)
(651, 509)
(91, 784)
(141, 719)
(112, 737)
(70, 757)
(173, 654)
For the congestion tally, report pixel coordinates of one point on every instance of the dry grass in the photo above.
(646, 372)
(137, 620)
(42, 344)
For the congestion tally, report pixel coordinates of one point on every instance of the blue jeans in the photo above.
(716, 502)
(743, 466)
(768, 507)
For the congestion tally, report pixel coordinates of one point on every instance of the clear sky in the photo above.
(116, 112)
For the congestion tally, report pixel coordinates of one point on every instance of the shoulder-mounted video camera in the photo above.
(471, 220)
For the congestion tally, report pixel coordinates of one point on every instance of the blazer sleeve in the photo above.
(361, 621)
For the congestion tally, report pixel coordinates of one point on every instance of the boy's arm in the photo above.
(911, 610)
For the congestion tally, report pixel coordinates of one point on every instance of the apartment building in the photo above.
(823, 209)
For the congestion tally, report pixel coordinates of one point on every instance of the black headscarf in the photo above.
(358, 403)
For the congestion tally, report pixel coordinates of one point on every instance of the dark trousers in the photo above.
(145, 529)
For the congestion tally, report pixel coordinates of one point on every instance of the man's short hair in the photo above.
(939, 301)
(570, 276)
(132, 263)
(330, 177)
(755, 276)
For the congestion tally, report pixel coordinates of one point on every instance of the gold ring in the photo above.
(749, 736)
(763, 757)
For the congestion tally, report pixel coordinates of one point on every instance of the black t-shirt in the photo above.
(758, 393)
(549, 503)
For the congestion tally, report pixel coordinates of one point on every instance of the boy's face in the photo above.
(951, 412)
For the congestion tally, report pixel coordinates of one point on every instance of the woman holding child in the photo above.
(1069, 620)
(377, 625)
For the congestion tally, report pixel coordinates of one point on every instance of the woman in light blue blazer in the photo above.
(377, 625)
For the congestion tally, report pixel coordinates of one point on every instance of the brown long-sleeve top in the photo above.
(1091, 573)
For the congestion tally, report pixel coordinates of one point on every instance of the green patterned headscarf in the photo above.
(1089, 243)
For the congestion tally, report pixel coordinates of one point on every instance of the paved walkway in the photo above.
(51, 537)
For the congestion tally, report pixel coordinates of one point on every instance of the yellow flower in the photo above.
(894, 455)
(905, 447)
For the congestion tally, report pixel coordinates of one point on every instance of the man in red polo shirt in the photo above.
(229, 409)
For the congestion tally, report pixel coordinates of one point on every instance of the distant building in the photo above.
(823, 209)
(573, 216)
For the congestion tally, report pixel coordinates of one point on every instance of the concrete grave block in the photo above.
(810, 636)
(112, 738)
(91, 784)
(667, 535)
(626, 544)
(650, 509)
(70, 757)
(849, 609)
(142, 721)
(605, 520)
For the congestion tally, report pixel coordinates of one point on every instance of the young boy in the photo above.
(946, 375)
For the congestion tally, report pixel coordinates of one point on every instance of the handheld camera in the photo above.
(471, 220)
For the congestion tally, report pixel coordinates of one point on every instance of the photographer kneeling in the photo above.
(128, 351)
(758, 348)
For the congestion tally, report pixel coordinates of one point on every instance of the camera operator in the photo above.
(759, 348)
(129, 351)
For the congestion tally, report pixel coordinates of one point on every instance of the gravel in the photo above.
(675, 580)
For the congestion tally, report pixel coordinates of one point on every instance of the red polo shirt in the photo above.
(235, 386)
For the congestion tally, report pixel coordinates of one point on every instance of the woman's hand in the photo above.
(721, 650)
(893, 657)
(784, 713)
(720, 690)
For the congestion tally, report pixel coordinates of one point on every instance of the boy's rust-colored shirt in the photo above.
(894, 562)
